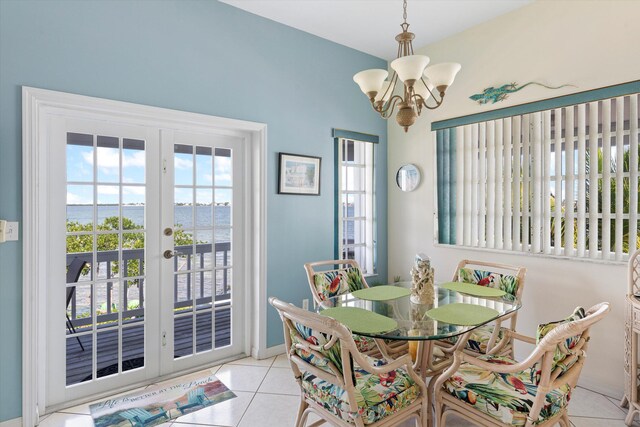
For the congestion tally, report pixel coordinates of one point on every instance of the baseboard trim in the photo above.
(268, 352)
(16, 422)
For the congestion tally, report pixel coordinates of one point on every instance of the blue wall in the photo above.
(200, 56)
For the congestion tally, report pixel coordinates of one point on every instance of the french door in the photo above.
(202, 237)
(145, 255)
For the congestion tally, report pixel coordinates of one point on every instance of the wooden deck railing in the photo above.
(109, 258)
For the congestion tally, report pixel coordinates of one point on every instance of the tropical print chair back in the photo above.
(505, 282)
(332, 283)
(563, 351)
(304, 334)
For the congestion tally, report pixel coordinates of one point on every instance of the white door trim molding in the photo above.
(37, 107)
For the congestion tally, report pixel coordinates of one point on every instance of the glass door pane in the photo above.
(105, 256)
(202, 262)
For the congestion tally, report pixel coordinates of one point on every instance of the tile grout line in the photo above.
(597, 418)
(247, 408)
(278, 394)
(617, 405)
(597, 392)
(255, 394)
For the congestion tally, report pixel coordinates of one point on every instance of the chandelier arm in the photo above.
(390, 106)
(392, 85)
(427, 86)
(417, 99)
(438, 103)
(390, 89)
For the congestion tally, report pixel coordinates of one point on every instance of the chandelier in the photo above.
(419, 81)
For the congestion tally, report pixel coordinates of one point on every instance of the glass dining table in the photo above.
(418, 329)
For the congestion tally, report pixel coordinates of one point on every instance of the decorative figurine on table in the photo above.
(422, 280)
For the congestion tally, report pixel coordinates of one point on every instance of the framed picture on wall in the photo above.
(299, 174)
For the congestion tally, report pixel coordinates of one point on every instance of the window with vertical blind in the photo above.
(355, 200)
(562, 181)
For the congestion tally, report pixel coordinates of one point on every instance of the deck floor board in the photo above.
(79, 363)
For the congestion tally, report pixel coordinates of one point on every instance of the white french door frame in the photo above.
(38, 107)
(168, 140)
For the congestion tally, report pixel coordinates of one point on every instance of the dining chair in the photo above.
(338, 277)
(492, 390)
(342, 385)
(328, 279)
(507, 278)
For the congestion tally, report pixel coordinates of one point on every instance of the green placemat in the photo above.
(361, 320)
(381, 293)
(471, 289)
(462, 314)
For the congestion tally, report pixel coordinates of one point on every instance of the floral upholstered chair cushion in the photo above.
(504, 282)
(309, 336)
(564, 349)
(506, 397)
(479, 338)
(377, 396)
(337, 282)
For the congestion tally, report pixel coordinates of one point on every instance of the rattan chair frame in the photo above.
(341, 336)
(549, 379)
(506, 344)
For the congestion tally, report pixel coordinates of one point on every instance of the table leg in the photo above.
(422, 363)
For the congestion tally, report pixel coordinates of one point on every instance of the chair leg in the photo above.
(442, 422)
(301, 419)
(564, 420)
(631, 415)
(72, 329)
(438, 407)
(624, 403)
(423, 420)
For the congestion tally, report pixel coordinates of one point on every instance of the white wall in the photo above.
(589, 44)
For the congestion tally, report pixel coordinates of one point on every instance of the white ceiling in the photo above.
(371, 25)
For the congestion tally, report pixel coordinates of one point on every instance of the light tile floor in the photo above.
(268, 396)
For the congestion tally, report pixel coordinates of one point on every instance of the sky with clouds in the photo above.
(80, 172)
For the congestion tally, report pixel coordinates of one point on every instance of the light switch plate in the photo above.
(11, 231)
(8, 231)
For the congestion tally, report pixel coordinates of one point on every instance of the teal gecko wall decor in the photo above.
(498, 94)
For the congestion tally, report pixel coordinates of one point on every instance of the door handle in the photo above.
(168, 254)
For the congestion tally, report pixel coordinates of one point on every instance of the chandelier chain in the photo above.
(404, 14)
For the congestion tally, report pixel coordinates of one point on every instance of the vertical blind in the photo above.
(562, 181)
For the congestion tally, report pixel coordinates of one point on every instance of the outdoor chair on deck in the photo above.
(499, 391)
(507, 278)
(340, 384)
(74, 270)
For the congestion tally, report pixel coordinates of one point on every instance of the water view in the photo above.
(183, 216)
